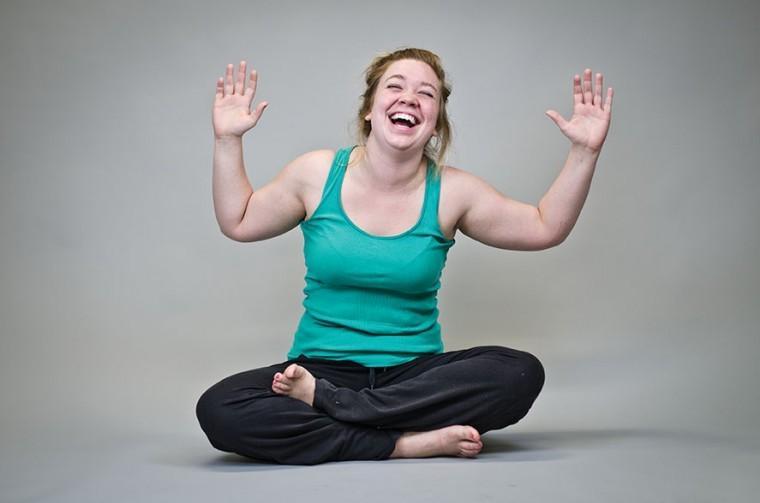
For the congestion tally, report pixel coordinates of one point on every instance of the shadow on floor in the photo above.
(498, 446)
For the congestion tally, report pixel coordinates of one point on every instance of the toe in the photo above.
(280, 387)
(299, 372)
(292, 371)
(470, 449)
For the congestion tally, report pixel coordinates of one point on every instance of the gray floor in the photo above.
(586, 466)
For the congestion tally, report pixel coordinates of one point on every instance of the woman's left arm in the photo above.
(587, 130)
(496, 220)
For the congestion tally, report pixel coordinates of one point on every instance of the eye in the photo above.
(428, 94)
(395, 86)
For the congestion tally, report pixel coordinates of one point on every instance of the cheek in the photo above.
(434, 113)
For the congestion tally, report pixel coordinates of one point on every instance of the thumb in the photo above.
(557, 118)
(259, 110)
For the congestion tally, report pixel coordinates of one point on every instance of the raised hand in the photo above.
(590, 122)
(232, 115)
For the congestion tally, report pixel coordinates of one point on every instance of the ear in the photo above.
(368, 117)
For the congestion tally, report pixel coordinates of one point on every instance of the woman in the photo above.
(366, 376)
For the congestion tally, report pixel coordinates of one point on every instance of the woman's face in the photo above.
(411, 87)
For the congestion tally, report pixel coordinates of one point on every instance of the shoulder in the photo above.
(307, 169)
(459, 179)
(453, 198)
(313, 160)
(306, 174)
(459, 187)
(464, 194)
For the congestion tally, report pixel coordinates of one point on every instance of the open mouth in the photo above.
(403, 121)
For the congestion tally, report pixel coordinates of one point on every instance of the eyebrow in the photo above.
(403, 78)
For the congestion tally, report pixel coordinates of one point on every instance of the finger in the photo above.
(577, 93)
(598, 91)
(608, 102)
(228, 80)
(240, 84)
(587, 86)
(252, 83)
(259, 110)
(220, 88)
(557, 118)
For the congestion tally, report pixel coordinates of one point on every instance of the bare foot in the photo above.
(454, 440)
(295, 382)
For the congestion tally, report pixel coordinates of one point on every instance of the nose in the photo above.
(408, 98)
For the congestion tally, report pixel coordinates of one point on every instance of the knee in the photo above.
(523, 373)
(523, 384)
(216, 419)
(532, 374)
(530, 380)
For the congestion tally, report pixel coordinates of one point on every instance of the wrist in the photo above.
(228, 139)
(585, 150)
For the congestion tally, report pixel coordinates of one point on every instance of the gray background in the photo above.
(121, 301)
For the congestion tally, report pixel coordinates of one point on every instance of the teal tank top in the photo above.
(370, 299)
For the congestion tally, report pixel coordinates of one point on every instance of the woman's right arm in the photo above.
(242, 214)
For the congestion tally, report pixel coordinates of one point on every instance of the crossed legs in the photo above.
(458, 440)
(309, 411)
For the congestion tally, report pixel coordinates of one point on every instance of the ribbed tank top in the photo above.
(370, 299)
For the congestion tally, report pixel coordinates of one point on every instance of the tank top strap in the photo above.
(432, 196)
(338, 167)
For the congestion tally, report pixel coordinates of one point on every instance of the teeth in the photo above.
(401, 115)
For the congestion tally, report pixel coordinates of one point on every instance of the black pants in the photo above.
(359, 412)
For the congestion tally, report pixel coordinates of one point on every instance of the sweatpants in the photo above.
(359, 412)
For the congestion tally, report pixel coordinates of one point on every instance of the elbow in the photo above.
(541, 245)
(243, 234)
(229, 235)
(552, 239)
(555, 242)
(549, 235)
(231, 232)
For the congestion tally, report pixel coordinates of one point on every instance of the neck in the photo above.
(389, 171)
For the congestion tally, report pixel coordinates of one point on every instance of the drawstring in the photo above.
(372, 376)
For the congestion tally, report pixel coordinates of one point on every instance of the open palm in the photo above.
(590, 122)
(232, 114)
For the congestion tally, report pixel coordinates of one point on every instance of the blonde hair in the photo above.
(436, 147)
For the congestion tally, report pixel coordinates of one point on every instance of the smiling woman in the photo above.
(434, 87)
(366, 376)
